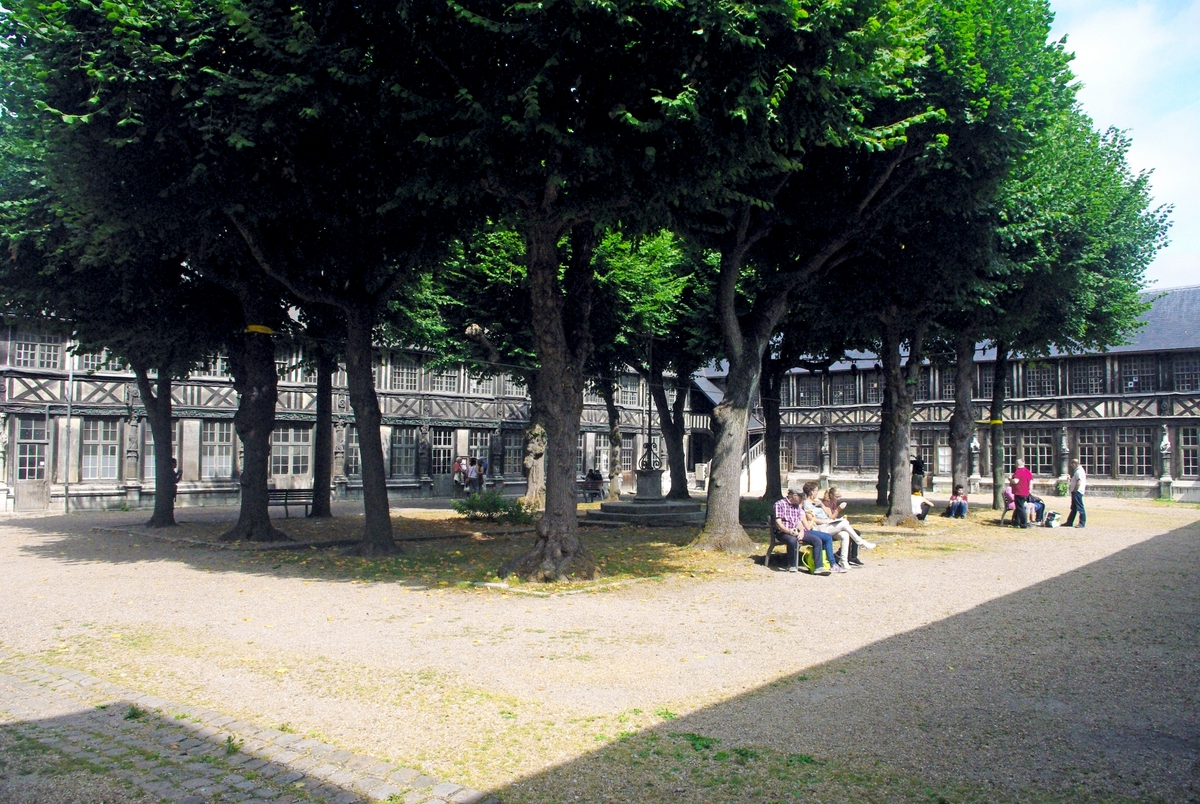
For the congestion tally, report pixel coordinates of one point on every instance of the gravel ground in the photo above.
(1027, 665)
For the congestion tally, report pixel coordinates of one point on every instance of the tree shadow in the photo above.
(1083, 687)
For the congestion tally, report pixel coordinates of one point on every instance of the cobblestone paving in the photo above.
(187, 755)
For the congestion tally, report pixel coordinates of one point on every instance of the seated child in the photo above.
(957, 509)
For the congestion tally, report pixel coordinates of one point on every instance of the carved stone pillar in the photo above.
(1165, 481)
(6, 499)
(133, 481)
(975, 479)
(425, 460)
(825, 459)
(339, 458)
(1064, 455)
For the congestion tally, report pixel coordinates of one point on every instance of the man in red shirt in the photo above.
(1022, 483)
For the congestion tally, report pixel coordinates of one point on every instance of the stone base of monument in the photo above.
(648, 513)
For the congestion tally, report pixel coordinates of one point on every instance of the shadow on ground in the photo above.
(1078, 689)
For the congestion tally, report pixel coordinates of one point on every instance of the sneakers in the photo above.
(837, 568)
(822, 570)
(854, 562)
(792, 569)
(866, 545)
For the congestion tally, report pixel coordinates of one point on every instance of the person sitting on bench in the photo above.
(822, 544)
(786, 522)
(827, 523)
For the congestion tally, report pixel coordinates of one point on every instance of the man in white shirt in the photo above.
(1077, 486)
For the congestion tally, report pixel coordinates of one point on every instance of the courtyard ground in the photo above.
(966, 662)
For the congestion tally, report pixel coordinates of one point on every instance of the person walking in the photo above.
(1077, 486)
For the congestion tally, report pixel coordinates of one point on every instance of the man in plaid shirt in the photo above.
(787, 521)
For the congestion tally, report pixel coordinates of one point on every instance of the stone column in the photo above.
(425, 460)
(1064, 454)
(339, 459)
(975, 479)
(1165, 481)
(133, 475)
(825, 459)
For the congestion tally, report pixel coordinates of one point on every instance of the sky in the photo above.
(1139, 66)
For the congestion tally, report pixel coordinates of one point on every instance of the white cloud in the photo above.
(1139, 63)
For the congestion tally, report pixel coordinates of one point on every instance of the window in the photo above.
(580, 452)
(479, 445)
(149, 463)
(444, 380)
(1037, 448)
(99, 361)
(870, 451)
(947, 383)
(602, 450)
(924, 385)
(808, 390)
(37, 351)
(927, 448)
(626, 453)
(31, 449)
(1086, 377)
(442, 454)
(1012, 442)
(100, 449)
(481, 386)
(987, 381)
(405, 374)
(513, 387)
(630, 387)
(290, 450)
(1187, 372)
(785, 454)
(1139, 375)
(1095, 451)
(785, 392)
(404, 451)
(1189, 440)
(216, 450)
(873, 388)
(514, 452)
(215, 366)
(807, 452)
(1041, 380)
(353, 458)
(1134, 450)
(845, 456)
(843, 389)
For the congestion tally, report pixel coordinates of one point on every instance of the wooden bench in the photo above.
(286, 497)
(591, 489)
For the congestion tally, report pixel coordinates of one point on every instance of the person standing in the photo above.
(1022, 483)
(1077, 486)
(473, 476)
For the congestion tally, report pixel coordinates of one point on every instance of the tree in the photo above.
(988, 78)
(1076, 226)
(651, 312)
(577, 119)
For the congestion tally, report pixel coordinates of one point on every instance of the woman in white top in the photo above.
(834, 527)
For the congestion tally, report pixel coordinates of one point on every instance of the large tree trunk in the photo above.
(671, 423)
(252, 362)
(157, 400)
(772, 381)
(323, 438)
(996, 432)
(962, 422)
(560, 317)
(901, 382)
(377, 525)
(722, 526)
(608, 392)
(887, 438)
